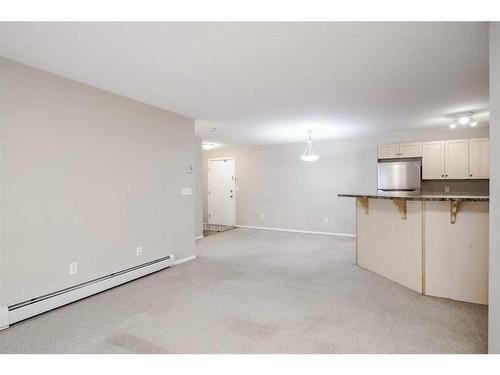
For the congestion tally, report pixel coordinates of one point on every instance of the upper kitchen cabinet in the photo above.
(479, 158)
(433, 160)
(400, 150)
(410, 150)
(456, 159)
(388, 151)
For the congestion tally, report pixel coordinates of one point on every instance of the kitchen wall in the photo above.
(292, 194)
(456, 186)
(494, 284)
(86, 176)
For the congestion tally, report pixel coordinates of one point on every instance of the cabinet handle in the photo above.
(446, 175)
(442, 175)
(471, 175)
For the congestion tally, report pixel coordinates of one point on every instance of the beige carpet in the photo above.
(254, 291)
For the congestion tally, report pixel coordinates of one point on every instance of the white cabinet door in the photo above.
(388, 151)
(479, 158)
(410, 150)
(456, 159)
(433, 160)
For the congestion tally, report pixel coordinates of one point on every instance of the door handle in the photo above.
(230, 196)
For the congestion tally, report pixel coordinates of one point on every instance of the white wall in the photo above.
(494, 284)
(293, 194)
(198, 189)
(86, 176)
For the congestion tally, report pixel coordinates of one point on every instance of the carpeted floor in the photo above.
(253, 291)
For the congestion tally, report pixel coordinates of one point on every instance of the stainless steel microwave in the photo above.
(401, 175)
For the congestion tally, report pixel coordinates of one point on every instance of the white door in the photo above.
(456, 159)
(479, 158)
(410, 150)
(221, 191)
(433, 160)
(388, 151)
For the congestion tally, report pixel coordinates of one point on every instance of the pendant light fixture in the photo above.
(309, 152)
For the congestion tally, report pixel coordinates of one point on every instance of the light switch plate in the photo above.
(186, 191)
(139, 251)
(446, 189)
(73, 268)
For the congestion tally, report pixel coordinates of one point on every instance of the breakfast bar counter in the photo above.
(421, 197)
(435, 244)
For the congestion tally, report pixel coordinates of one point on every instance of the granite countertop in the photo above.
(421, 196)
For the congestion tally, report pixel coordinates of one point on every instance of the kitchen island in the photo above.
(434, 244)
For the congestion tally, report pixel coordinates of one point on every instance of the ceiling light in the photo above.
(207, 146)
(212, 129)
(453, 125)
(473, 123)
(309, 154)
(464, 120)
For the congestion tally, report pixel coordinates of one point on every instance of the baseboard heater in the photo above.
(19, 311)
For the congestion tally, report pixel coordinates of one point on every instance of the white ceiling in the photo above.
(263, 83)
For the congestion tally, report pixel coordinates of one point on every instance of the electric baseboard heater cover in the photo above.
(35, 306)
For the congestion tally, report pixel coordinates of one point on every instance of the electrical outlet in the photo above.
(446, 189)
(262, 216)
(73, 268)
(139, 251)
(326, 220)
(186, 191)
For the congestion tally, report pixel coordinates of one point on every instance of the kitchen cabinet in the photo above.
(433, 160)
(410, 150)
(479, 158)
(456, 159)
(388, 151)
(400, 150)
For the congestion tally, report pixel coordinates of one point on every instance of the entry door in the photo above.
(221, 191)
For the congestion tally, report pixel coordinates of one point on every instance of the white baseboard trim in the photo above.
(184, 260)
(299, 231)
(4, 317)
(198, 237)
(34, 306)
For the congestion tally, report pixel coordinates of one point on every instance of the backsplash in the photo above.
(456, 186)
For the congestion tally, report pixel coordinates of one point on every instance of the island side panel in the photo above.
(389, 245)
(456, 255)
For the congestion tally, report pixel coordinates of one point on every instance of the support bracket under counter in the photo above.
(401, 205)
(364, 202)
(453, 211)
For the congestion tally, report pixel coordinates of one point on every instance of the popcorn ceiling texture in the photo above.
(265, 83)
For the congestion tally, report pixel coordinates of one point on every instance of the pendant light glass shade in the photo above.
(309, 152)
